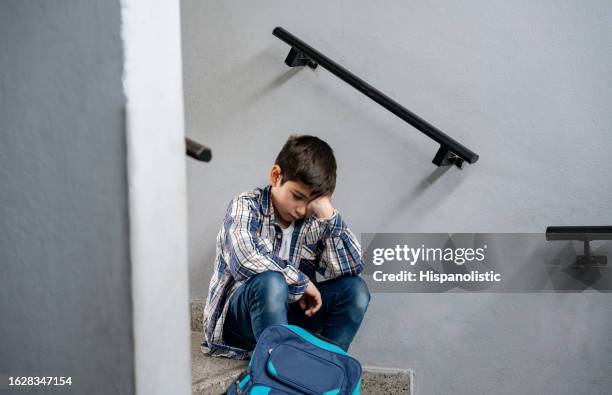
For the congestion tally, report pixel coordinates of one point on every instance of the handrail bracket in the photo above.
(296, 58)
(446, 157)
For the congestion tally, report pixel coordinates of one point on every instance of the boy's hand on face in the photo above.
(311, 300)
(321, 207)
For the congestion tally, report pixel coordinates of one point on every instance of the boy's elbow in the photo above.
(355, 270)
(358, 268)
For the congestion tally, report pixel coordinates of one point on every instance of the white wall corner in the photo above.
(152, 81)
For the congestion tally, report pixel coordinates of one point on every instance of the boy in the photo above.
(272, 242)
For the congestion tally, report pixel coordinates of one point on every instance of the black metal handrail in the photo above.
(197, 150)
(579, 233)
(301, 54)
(586, 234)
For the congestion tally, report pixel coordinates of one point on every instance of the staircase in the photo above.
(212, 375)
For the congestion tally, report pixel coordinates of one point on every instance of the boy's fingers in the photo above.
(309, 311)
(305, 304)
(314, 307)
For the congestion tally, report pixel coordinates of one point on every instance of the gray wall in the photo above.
(524, 84)
(65, 303)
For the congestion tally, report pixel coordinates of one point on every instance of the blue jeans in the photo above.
(262, 301)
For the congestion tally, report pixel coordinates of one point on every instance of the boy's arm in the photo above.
(341, 251)
(248, 255)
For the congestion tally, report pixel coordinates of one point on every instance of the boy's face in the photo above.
(290, 200)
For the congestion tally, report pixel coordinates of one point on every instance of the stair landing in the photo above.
(213, 375)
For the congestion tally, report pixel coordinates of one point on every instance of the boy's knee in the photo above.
(357, 295)
(270, 286)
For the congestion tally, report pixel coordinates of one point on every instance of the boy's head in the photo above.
(304, 169)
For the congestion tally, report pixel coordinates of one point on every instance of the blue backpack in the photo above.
(290, 360)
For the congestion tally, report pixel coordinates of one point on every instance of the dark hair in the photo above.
(310, 160)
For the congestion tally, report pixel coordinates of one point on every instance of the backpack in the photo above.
(290, 360)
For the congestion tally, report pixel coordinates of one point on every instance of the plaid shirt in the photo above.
(248, 243)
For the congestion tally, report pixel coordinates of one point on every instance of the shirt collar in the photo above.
(267, 207)
(266, 201)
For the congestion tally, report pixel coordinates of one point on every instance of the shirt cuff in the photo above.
(297, 290)
(331, 227)
(330, 218)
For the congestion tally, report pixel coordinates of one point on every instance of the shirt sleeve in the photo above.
(341, 251)
(249, 254)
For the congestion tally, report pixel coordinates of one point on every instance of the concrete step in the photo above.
(213, 375)
(197, 314)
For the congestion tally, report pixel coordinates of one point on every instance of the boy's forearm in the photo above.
(341, 253)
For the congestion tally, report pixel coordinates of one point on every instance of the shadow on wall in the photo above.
(268, 87)
(243, 80)
(433, 200)
(417, 191)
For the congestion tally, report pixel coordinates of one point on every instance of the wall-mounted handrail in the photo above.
(586, 234)
(197, 150)
(579, 233)
(301, 54)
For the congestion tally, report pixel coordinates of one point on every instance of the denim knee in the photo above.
(357, 297)
(269, 289)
